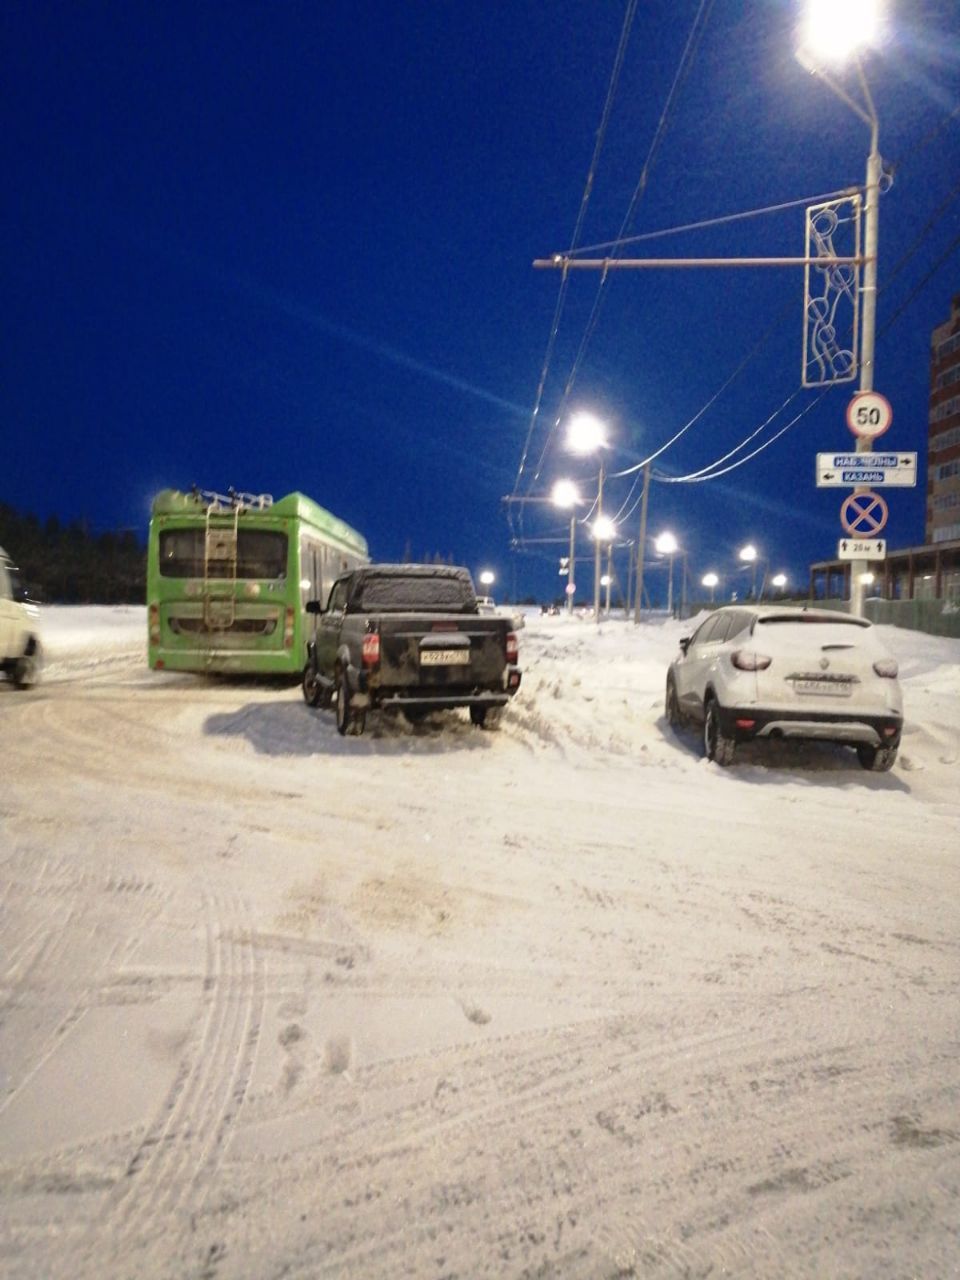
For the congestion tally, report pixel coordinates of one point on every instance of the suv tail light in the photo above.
(371, 649)
(513, 649)
(888, 667)
(750, 660)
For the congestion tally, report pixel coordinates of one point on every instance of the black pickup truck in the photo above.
(410, 638)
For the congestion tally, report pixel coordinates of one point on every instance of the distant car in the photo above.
(761, 671)
(21, 654)
(486, 604)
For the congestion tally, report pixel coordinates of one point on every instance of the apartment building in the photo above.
(943, 441)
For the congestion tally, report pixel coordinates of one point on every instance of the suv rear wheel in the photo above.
(717, 745)
(672, 704)
(876, 759)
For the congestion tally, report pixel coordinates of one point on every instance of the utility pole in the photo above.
(641, 544)
(596, 553)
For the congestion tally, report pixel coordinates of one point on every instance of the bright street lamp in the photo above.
(603, 529)
(667, 545)
(487, 578)
(586, 434)
(779, 580)
(710, 580)
(566, 496)
(832, 31)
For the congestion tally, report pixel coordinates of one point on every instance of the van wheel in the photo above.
(716, 745)
(25, 671)
(349, 721)
(876, 759)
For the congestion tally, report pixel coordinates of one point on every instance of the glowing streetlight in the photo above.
(832, 32)
(603, 529)
(586, 434)
(566, 495)
(779, 580)
(710, 580)
(667, 545)
(487, 578)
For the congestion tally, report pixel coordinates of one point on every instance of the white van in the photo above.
(21, 654)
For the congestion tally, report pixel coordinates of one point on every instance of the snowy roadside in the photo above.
(562, 1000)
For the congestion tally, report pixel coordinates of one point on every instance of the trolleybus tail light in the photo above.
(288, 630)
(154, 624)
(513, 649)
(371, 649)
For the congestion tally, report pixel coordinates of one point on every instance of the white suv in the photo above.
(769, 672)
(21, 655)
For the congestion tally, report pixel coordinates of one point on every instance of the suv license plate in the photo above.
(444, 657)
(832, 688)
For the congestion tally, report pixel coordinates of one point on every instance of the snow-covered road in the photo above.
(560, 1001)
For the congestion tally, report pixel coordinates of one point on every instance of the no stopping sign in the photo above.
(863, 515)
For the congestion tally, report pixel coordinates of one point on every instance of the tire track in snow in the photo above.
(170, 1172)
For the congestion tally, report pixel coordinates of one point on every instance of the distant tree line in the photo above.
(66, 564)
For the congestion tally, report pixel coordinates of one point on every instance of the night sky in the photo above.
(285, 246)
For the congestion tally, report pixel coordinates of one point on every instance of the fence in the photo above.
(935, 617)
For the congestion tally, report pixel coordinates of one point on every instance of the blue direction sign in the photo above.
(851, 470)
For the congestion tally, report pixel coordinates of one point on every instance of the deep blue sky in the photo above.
(288, 246)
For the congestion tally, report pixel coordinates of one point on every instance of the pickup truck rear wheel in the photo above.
(349, 720)
(486, 717)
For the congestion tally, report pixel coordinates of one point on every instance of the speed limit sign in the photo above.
(869, 414)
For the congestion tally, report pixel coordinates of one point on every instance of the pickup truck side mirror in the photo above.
(313, 606)
(684, 643)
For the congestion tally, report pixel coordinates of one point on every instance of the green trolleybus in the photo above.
(228, 576)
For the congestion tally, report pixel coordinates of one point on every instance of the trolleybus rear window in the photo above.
(260, 554)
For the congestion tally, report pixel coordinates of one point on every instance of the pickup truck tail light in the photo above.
(750, 660)
(371, 649)
(887, 667)
(513, 649)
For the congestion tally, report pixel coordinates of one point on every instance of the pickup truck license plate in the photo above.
(444, 657)
(832, 688)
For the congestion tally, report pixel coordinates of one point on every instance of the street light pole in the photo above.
(871, 237)
(865, 111)
(641, 545)
(572, 573)
(596, 553)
